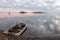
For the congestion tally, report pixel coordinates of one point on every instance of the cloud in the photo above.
(57, 3)
(30, 4)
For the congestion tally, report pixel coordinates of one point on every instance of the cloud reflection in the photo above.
(43, 25)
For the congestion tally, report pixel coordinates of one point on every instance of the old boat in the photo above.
(16, 30)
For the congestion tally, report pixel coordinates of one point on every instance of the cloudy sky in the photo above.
(31, 4)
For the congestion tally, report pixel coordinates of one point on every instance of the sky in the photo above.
(31, 4)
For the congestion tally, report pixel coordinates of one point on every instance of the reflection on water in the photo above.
(42, 25)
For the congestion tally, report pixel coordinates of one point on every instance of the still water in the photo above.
(37, 25)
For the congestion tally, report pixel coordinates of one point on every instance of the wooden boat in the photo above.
(16, 30)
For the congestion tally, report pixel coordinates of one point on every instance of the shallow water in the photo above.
(37, 25)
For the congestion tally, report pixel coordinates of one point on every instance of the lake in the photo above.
(38, 25)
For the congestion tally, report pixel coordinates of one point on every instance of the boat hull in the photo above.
(16, 30)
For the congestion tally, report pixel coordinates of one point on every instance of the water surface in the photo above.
(37, 25)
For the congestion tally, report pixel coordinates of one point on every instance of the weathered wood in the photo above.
(16, 30)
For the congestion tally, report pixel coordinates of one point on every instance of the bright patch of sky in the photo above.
(31, 4)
